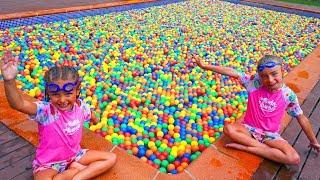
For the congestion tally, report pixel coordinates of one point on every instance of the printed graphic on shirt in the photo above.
(72, 127)
(267, 105)
(252, 83)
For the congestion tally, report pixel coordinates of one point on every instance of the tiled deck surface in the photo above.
(216, 162)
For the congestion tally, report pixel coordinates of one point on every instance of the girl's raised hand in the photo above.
(198, 60)
(9, 66)
(315, 146)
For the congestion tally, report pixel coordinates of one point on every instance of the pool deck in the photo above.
(287, 5)
(14, 9)
(17, 151)
(18, 138)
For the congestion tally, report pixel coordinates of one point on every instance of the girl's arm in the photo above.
(218, 69)
(9, 71)
(94, 119)
(307, 129)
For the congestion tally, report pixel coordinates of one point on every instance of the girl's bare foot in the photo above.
(77, 165)
(236, 146)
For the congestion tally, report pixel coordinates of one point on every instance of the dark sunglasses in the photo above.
(54, 88)
(270, 64)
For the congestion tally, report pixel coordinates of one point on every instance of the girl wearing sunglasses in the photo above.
(60, 120)
(268, 99)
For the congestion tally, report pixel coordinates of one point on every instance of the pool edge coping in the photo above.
(27, 14)
(292, 77)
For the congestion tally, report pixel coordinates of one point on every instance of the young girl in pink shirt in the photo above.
(60, 121)
(268, 99)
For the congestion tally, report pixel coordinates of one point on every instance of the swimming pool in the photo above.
(138, 73)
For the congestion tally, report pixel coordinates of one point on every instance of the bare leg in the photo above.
(239, 134)
(277, 150)
(97, 162)
(45, 174)
(236, 146)
(77, 165)
(67, 174)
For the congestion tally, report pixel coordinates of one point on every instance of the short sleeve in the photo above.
(43, 113)
(86, 111)
(293, 107)
(251, 83)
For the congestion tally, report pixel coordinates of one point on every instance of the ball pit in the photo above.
(138, 75)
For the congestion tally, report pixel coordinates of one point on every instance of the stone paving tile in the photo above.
(129, 167)
(91, 140)
(213, 164)
(236, 154)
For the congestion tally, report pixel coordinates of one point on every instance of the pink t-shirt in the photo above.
(60, 132)
(266, 109)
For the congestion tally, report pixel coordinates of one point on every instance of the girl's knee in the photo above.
(294, 158)
(228, 129)
(112, 157)
(109, 157)
(45, 174)
(109, 160)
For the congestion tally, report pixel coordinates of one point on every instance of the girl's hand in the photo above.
(198, 61)
(9, 66)
(315, 146)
